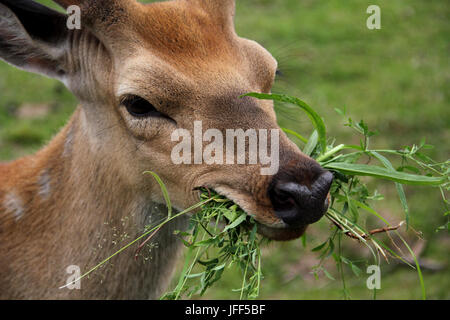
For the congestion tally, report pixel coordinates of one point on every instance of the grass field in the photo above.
(397, 79)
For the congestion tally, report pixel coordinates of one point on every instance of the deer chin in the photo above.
(281, 234)
(273, 228)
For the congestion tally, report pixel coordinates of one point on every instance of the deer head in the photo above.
(141, 72)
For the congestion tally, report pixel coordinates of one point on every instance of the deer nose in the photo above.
(298, 204)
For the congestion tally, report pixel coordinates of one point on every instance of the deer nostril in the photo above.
(296, 204)
(283, 197)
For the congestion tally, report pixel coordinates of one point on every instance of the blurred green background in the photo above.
(397, 79)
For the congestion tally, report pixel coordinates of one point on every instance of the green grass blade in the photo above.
(419, 271)
(197, 205)
(313, 115)
(295, 134)
(330, 153)
(236, 222)
(370, 210)
(379, 172)
(164, 192)
(398, 186)
(312, 143)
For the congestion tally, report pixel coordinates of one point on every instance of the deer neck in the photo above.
(71, 190)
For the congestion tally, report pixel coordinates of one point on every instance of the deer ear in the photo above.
(33, 37)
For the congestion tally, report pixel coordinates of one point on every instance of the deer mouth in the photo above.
(281, 234)
(268, 226)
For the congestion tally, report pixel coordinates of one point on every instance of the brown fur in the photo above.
(70, 203)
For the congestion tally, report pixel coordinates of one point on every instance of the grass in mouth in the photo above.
(219, 236)
(222, 235)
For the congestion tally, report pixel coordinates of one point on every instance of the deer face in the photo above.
(154, 79)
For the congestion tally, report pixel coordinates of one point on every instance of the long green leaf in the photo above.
(370, 210)
(419, 271)
(236, 222)
(379, 172)
(295, 134)
(312, 143)
(164, 192)
(313, 115)
(398, 186)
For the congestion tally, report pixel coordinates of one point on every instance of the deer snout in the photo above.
(298, 204)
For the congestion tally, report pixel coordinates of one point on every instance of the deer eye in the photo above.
(139, 107)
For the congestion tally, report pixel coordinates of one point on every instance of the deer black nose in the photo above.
(298, 204)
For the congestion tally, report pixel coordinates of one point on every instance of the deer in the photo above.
(139, 71)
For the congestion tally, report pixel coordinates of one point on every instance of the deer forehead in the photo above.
(146, 72)
(180, 45)
(178, 27)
